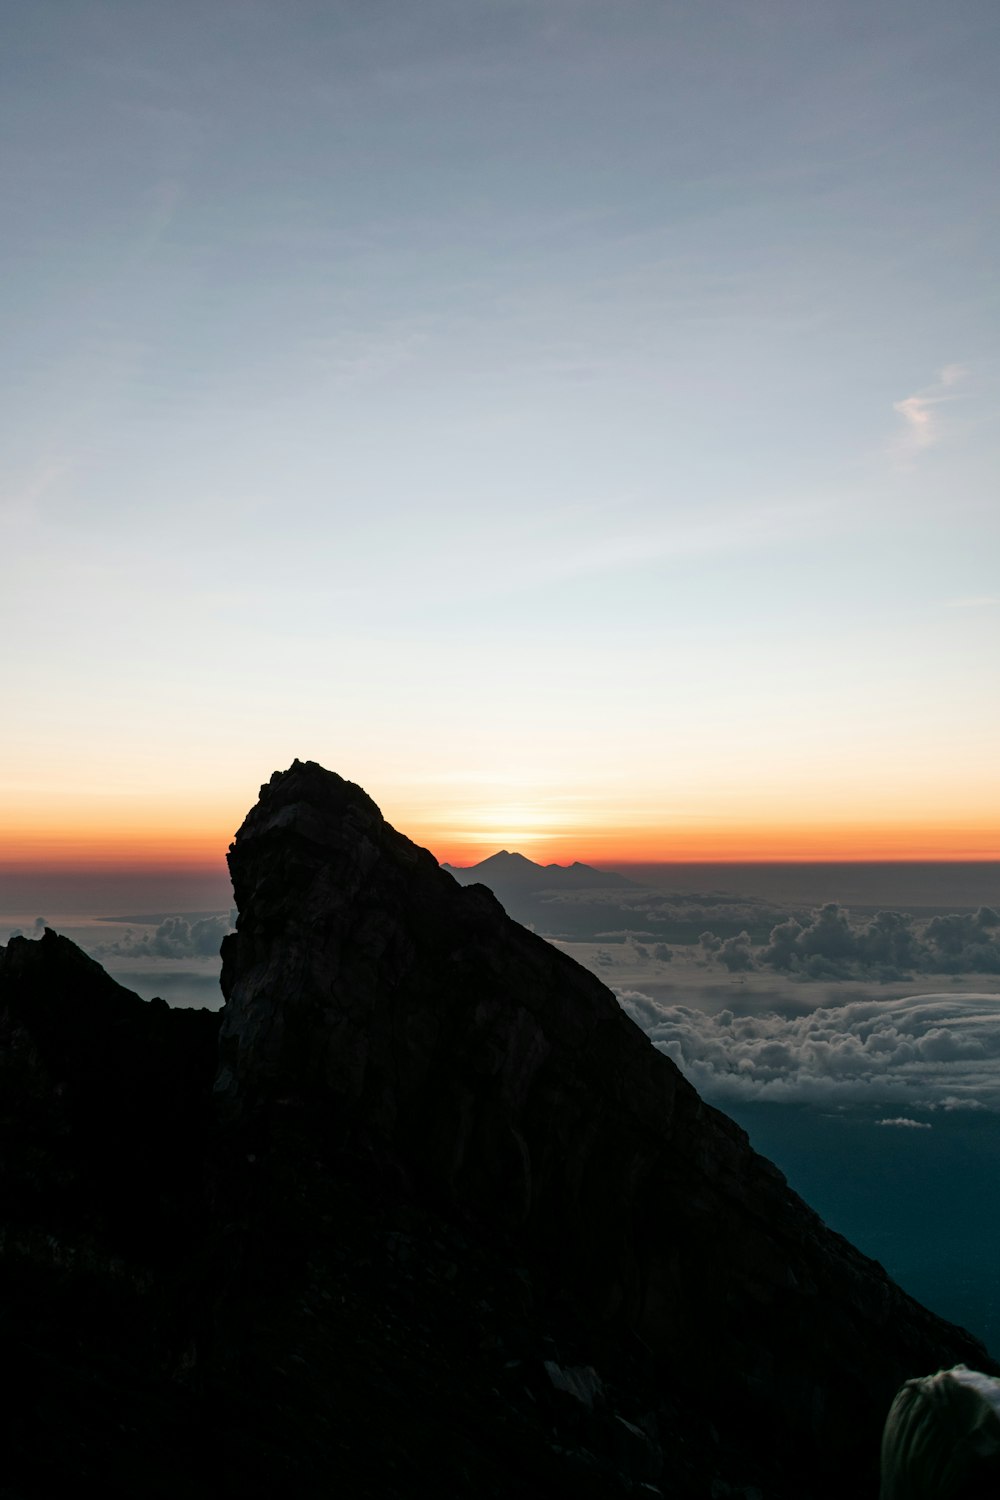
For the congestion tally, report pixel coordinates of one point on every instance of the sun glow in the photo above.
(713, 843)
(515, 824)
(463, 819)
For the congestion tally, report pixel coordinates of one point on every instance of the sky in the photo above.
(576, 423)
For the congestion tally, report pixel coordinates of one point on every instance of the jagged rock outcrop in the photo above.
(386, 1010)
(105, 1120)
(105, 1101)
(449, 1221)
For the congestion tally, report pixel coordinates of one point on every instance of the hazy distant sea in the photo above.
(908, 885)
(923, 1202)
(106, 909)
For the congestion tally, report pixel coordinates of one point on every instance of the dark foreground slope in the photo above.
(105, 1117)
(452, 1222)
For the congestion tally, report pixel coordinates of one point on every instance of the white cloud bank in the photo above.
(925, 1051)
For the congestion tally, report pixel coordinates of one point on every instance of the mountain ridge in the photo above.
(447, 1217)
(514, 1089)
(510, 867)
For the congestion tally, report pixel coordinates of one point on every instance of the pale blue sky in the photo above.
(581, 393)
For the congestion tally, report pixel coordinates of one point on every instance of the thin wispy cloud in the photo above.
(684, 536)
(21, 502)
(921, 411)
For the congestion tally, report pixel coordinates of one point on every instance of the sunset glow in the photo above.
(605, 483)
(737, 844)
(67, 838)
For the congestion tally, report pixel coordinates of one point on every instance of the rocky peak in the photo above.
(452, 1222)
(392, 1011)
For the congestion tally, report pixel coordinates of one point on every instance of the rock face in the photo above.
(391, 1012)
(105, 1121)
(106, 1101)
(447, 1221)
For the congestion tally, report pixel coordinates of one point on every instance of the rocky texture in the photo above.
(390, 1012)
(451, 1224)
(189, 1311)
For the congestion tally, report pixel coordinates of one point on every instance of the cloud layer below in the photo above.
(891, 945)
(938, 1052)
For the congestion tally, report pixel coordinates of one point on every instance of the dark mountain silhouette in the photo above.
(514, 871)
(569, 901)
(452, 1223)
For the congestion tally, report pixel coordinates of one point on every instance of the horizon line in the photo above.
(210, 869)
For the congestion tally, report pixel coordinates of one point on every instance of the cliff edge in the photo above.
(428, 1211)
(396, 1013)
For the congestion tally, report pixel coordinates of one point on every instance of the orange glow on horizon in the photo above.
(152, 846)
(784, 822)
(724, 844)
(196, 838)
(141, 844)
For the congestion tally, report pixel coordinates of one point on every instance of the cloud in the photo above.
(828, 947)
(890, 945)
(925, 1051)
(37, 929)
(952, 374)
(964, 942)
(175, 937)
(903, 1122)
(917, 411)
(921, 411)
(736, 953)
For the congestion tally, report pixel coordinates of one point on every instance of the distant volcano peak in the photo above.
(511, 868)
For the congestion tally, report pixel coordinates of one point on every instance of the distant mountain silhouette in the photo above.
(551, 899)
(515, 871)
